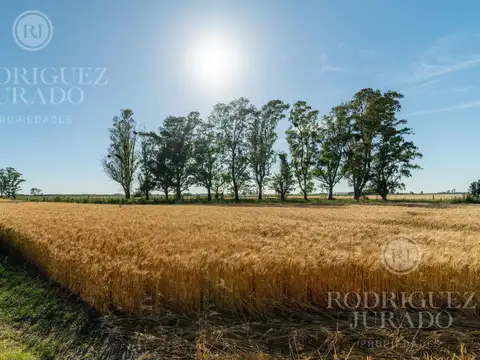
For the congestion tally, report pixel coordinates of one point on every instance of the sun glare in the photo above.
(214, 62)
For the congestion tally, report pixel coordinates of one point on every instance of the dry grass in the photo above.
(242, 259)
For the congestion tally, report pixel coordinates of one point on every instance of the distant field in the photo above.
(267, 197)
(406, 197)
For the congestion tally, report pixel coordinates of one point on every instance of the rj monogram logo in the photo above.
(32, 30)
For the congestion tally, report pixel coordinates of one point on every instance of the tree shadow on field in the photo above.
(55, 324)
(51, 321)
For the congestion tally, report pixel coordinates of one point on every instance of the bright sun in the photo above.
(214, 62)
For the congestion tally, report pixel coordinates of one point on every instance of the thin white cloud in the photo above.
(467, 105)
(450, 54)
(463, 89)
(331, 68)
(428, 71)
(427, 85)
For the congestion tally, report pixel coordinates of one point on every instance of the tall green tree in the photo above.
(377, 152)
(283, 182)
(331, 156)
(206, 156)
(3, 183)
(145, 176)
(365, 120)
(393, 157)
(367, 111)
(13, 181)
(474, 189)
(120, 162)
(173, 165)
(261, 137)
(232, 122)
(161, 169)
(302, 137)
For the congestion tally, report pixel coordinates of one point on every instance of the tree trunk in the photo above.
(357, 193)
(330, 193)
(127, 194)
(260, 193)
(235, 191)
(305, 195)
(383, 194)
(166, 193)
(147, 195)
(282, 196)
(235, 188)
(178, 195)
(209, 194)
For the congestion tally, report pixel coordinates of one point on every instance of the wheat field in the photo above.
(146, 259)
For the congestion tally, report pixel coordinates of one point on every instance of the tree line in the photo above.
(361, 140)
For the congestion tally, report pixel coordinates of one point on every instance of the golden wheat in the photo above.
(145, 259)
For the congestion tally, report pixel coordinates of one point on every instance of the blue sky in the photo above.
(318, 51)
